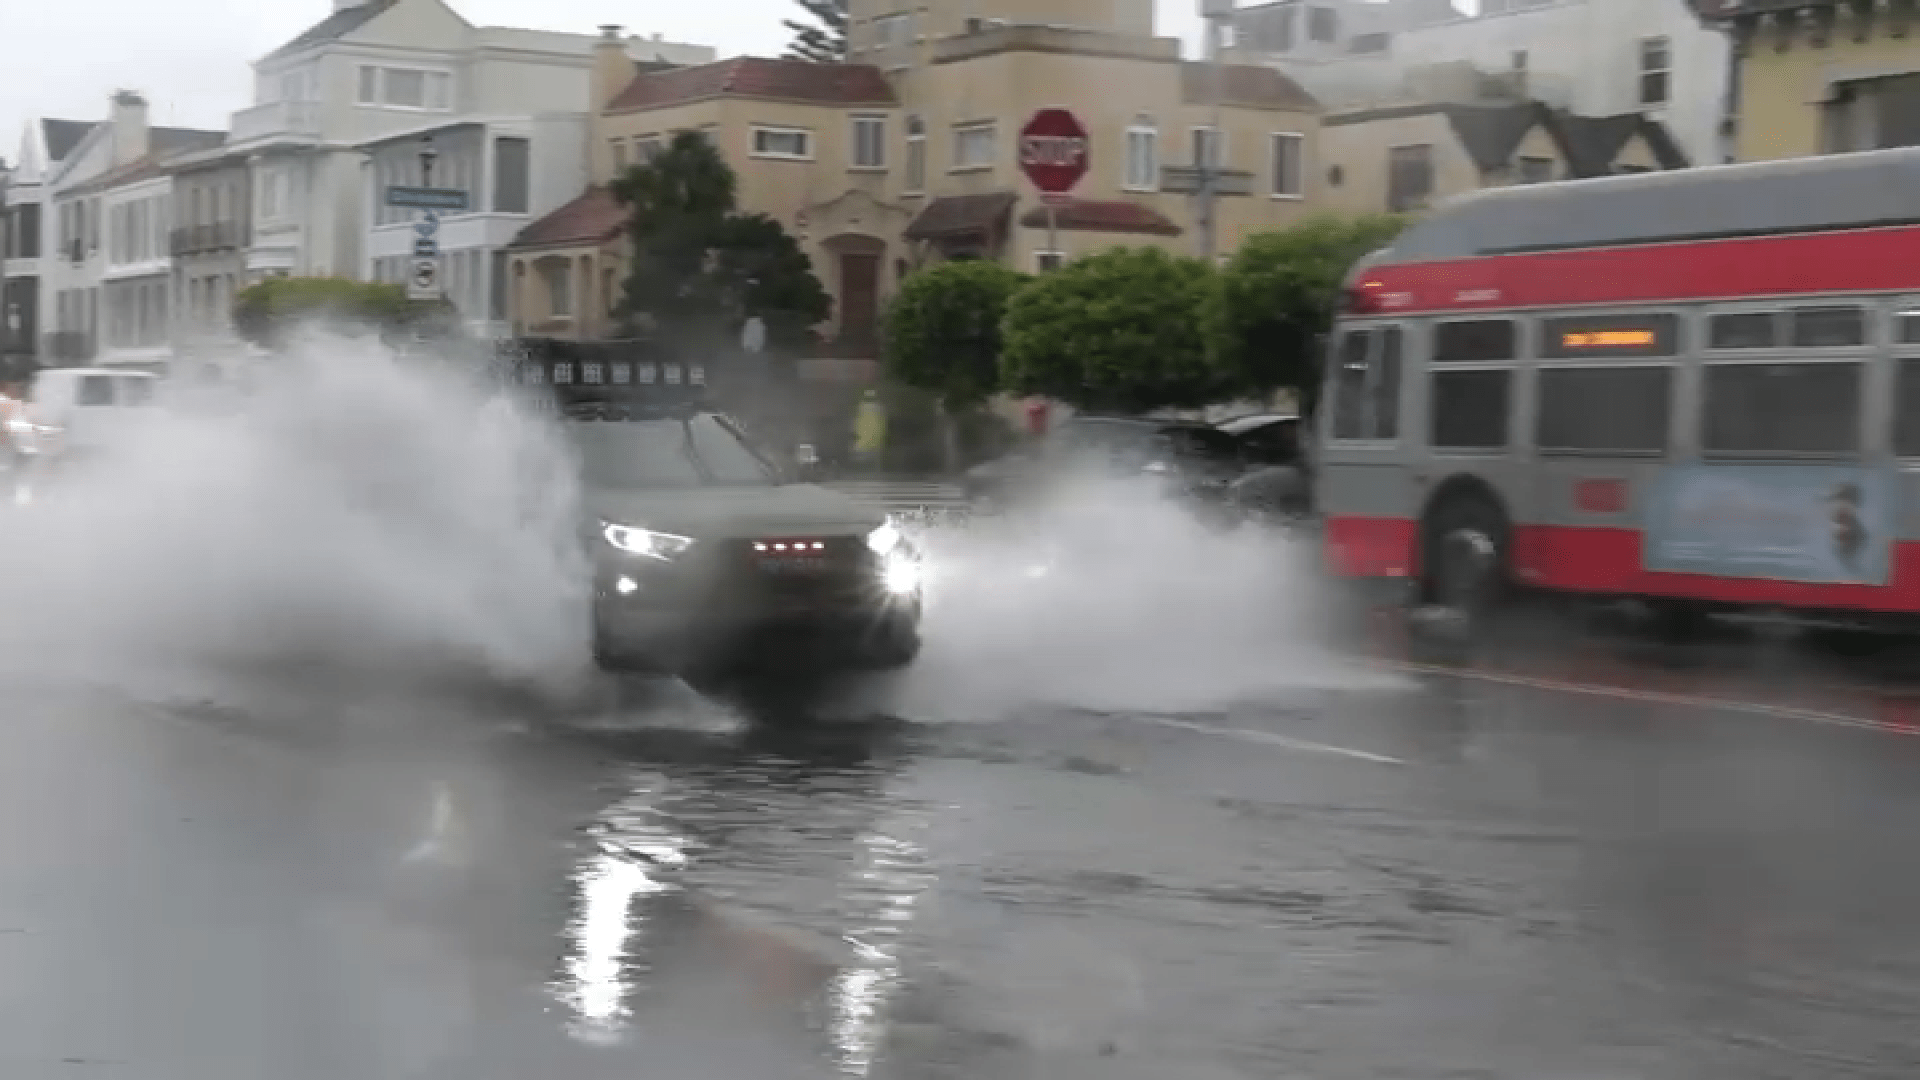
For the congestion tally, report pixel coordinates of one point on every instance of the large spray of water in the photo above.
(346, 511)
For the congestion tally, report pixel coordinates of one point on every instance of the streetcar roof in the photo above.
(1830, 192)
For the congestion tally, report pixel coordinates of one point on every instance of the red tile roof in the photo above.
(1097, 215)
(594, 217)
(756, 77)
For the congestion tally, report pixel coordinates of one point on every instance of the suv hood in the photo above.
(737, 512)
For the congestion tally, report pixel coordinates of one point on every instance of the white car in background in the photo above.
(82, 409)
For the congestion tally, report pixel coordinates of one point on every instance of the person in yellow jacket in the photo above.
(869, 428)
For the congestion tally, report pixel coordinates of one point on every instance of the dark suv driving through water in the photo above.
(703, 549)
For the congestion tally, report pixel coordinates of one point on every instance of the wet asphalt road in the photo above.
(1400, 874)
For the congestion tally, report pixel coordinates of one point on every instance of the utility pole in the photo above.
(1216, 16)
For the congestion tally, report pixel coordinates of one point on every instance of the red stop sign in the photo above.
(1053, 151)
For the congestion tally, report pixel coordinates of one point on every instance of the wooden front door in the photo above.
(859, 297)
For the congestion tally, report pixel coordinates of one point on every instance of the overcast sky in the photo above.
(190, 57)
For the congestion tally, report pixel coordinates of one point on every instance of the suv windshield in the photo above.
(652, 454)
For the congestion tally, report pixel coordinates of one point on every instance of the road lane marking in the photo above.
(1652, 697)
(1268, 738)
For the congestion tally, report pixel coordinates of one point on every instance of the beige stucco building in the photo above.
(1403, 158)
(908, 153)
(1816, 77)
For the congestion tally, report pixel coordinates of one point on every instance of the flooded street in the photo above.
(1409, 875)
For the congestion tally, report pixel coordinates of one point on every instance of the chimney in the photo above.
(613, 69)
(129, 127)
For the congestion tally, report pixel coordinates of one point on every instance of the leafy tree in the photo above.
(823, 40)
(1117, 331)
(264, 313)
(698, 270)
(1276, 298)
(943, 330)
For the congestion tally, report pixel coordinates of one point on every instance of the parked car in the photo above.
(1194, 459)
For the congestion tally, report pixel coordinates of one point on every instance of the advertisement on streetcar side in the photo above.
(1816, 524)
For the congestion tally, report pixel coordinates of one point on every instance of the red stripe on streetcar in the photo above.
(1747, 268)
(1588, 559)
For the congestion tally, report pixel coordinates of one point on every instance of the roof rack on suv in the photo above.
(605, 379)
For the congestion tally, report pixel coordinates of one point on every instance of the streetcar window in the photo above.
(1828, 327)
(1906, 404)
(1649, 334)
(1470, 409)
(1366, 384)
(1906, 328)
(1747, 330)
(1782, 409)
(1474, 340)
(1620, 409)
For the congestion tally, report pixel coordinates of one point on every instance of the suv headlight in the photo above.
(637, 541)
(885, 539)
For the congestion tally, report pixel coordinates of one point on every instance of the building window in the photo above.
(1209, 151)
(512, 175)
(792, 144)
(1656, 70)
(974, 146)
(1266, 29)
(406, 88)
(1048, 261)
(1323, 24)
(1143, 156)
(1409, 177)
(1289, 169)
(892, 31)
(1535, 170)
(869, 142)
(916, 155)
(646, 148)
(1370, 43)
(558, 275)
(619, 154)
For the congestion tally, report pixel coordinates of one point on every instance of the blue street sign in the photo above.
(428, 224)
(425, 198)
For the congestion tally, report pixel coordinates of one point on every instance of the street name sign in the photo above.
(426, 198)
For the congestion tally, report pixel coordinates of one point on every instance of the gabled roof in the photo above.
(1491, 134)
(758, 77)
(165, 143)
(334, 27)
(61, 136)
(594, 217)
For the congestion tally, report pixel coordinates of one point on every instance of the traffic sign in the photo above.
(428, 224)
(424, 282)
(426, 198)
(425, 247)
(1053, 151)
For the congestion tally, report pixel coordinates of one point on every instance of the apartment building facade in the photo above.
(1595, 58)
(373, 69)
(512, 170)
(212, 219)
(105, 293)
(908, 153)
(28, 251)
(1821, 77)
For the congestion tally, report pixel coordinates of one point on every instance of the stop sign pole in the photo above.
(1053, 155)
